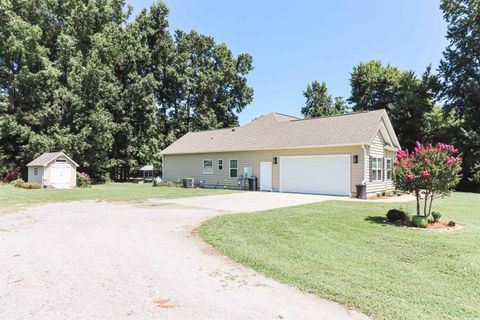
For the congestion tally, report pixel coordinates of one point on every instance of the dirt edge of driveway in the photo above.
(210, 250)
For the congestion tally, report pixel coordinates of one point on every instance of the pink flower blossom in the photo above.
(402, 154)
(409, 177)
(425, 174)
(447, 147)
(451, 160)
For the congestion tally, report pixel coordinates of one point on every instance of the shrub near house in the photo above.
(83, 180)
(431, 170)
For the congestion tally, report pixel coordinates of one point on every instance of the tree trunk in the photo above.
(430, 205)
(417, 195)
(11, 78)
(427, 194)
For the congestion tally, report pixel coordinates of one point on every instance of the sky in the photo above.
(296, 42)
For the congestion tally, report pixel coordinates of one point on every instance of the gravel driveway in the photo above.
(98, 260)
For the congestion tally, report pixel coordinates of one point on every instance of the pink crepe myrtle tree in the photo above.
(433, 170)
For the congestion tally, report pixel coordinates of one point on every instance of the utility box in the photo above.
(187, 182)
(247, 172)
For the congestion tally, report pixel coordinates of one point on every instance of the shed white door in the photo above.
(60, 175)
(316, 174)
(265, 176)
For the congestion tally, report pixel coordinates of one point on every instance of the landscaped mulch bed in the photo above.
(441, 226)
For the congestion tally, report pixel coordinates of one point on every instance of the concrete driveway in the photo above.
(98, 260)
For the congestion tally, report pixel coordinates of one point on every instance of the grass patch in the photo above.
(339, 251)
(15, 198)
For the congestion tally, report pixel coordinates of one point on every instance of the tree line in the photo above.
(110, 90)
(431, 107)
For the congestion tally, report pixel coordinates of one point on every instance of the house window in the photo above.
(389, 169)
(376, 169)
(220, 164)
(207, 166)
(35, 171)
(233, 168)
(61, 160)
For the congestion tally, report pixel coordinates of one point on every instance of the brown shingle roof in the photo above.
(277, 131)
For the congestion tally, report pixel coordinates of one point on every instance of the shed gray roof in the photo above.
(48, 157)
(277, 131)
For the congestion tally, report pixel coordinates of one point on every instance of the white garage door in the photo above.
(60, 175)
(316, 174)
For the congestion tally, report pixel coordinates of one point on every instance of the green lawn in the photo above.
(14, 198)
(339, 251)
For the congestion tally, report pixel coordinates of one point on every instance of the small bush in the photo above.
(83, 180)
(18, 183)
(395, 215)
(168, 184)
(8, 175)
(420, 221)
(31, 185)
(436, 216)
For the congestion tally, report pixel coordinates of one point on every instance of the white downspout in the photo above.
(163, 167)
(364, 181)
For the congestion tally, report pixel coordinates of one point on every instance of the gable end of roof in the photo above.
(47, 157)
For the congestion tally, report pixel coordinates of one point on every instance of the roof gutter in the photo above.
(391, 148)
(267, 149)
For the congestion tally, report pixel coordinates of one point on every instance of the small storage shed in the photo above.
(53, 169)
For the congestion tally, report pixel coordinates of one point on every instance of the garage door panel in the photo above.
(316, 174)
(60, 175)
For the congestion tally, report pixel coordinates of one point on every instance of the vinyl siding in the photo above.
(35, 178)
(377, 149)
(176, 167)
(73, 172)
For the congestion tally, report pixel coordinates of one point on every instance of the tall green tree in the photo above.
(81, 77)
(406, 97)
(214, 82)
(340, 105)
(320, 103)
(460, 73)
(440, 125)
(27, 80)
(374, 86)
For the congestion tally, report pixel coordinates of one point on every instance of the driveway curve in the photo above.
(99, 260)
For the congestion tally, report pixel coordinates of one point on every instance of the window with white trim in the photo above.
(389, 169)
(376, 169)
(220, 164)
(208, 166)
(233, 168)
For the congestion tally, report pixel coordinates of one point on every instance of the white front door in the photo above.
(60, 175)
(265, 176)
(329, 174)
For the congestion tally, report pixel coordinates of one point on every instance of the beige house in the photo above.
(53, 169)
(325, 155)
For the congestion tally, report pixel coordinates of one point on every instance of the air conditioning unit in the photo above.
(188, 182)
